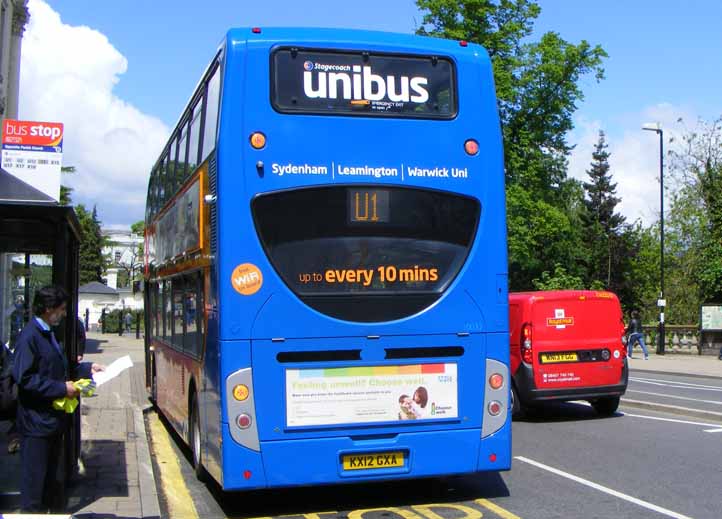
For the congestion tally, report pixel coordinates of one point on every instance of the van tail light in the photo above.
(526, 346)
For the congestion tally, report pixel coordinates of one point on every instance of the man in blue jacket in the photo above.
(41, 372)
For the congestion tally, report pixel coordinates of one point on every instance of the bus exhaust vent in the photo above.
(415, 353)
(318, 356)
(213, 187)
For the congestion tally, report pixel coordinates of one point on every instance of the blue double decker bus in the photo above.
(326, 264)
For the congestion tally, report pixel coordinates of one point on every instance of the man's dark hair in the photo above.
(47, 298)
(635, 314)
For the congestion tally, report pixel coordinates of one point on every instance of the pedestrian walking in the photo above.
(635, 334)
(80, 331)
(42, 375)
(128, 319)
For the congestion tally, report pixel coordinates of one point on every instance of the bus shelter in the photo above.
(39, 245)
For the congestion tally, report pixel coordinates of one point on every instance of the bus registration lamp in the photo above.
(657, 128)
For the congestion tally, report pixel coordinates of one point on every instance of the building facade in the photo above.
(124, 251)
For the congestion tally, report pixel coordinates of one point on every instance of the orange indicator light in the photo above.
(240, 392)
(258, 140)
(496, 381)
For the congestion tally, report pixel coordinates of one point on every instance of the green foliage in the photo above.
(138, 228)
(537, 86)
(696, 213)
(560, 280)
(65, 191)
(114, 318)
(610, 244)
(539, 235)
(92, 262)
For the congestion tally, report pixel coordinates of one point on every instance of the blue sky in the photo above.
(119, 73)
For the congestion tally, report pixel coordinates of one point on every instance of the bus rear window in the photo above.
(362, 83)
(366, 253)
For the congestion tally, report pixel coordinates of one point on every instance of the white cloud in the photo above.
(67, 75)
(634, 157)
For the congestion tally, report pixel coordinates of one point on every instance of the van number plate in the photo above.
(378, 460)
(558, 357)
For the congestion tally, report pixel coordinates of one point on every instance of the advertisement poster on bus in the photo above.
(32, 151)
(371, 394)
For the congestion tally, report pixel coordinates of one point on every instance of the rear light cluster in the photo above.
(496, 381)
(527, 354)
(241, 393)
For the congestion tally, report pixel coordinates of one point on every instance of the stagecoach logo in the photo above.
(332, 81)
(560, 321)
(247, 279)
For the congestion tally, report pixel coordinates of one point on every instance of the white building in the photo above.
(94, 297)
(124, 254)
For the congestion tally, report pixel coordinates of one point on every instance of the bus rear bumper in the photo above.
(319, 461)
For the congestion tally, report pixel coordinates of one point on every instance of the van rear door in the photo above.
(577, 342)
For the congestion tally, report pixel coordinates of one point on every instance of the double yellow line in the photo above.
(179, 500)
(180, 503)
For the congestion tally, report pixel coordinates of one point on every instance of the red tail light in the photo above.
(526, 347)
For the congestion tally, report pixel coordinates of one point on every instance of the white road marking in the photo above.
(713, 430)
(601, 488)
(671, 420)
(678, 385)
(667, 395)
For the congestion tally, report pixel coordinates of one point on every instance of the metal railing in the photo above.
(679, 338)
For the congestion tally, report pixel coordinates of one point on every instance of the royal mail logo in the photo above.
(560, 321)
(33, 133)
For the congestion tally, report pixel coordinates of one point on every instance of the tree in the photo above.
(560, 280)
(537, 90)
(92, 262)
(604, 229)
(696, 211)
(65, 191)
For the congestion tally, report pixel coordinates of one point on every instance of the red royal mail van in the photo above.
(567, 345)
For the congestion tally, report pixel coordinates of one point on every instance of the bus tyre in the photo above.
(195, 442)
(516, 408)
(606, 406)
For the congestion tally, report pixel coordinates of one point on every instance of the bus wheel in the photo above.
(196, 443)
(516, 410)
(606, 406)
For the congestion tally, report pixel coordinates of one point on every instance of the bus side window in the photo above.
(172, 180)
(210, 123)
(182, 165)
(194, 139)
(168, 314)
(191, 340)
(157, 310)
(163, 188)
(178, 313)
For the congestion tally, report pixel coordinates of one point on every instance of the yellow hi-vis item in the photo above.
(86, 388)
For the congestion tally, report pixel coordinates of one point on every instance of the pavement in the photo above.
(117, 479)
(678, 363)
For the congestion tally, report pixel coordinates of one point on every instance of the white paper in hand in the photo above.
(113, 370)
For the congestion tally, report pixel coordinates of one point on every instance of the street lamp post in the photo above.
(656, 127)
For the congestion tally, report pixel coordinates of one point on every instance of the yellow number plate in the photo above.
(559, 357)
(378, 460)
